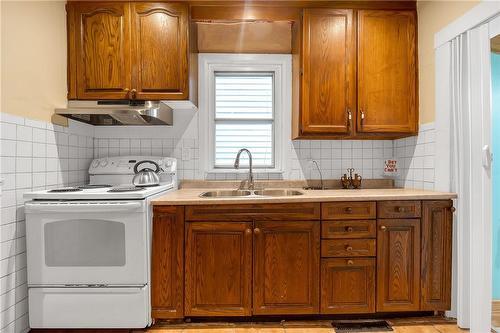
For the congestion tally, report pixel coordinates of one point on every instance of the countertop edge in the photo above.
(165, 201)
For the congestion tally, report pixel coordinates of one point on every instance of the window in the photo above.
(244, 118)
(242, 99)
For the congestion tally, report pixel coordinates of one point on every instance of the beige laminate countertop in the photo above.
(191, 196)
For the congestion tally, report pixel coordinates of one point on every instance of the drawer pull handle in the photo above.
(401, 209)
(248, 231)
(349, 229)
(348, 210)
(256, 231)
(350, 262)
(348, 248)
(383, 227)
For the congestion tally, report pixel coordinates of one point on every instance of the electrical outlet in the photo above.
(186, 154)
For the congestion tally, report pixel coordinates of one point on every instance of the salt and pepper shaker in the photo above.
(350, 181)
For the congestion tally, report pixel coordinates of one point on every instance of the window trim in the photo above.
(281, 66)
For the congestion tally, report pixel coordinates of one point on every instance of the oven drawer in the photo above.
(89, 307)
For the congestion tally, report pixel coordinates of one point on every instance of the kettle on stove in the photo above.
(147, 176)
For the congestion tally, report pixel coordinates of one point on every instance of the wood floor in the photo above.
(495, 315)
(400, 325)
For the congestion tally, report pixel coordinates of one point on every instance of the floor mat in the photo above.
(361, 326)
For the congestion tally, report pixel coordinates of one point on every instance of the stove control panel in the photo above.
(124, 165)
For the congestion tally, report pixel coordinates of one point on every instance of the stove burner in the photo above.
(126, 189)
(92, 186)
(63, 190)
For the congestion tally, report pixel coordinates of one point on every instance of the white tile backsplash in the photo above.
(416, 158)
(35, 156)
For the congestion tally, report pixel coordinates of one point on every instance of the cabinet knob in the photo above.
(383, 227)
(348, 248)
(133, 93)
(453, 209)
(348, 209)
(350, 262)
(256, 231)
(126, 89)
(349, 229)
(401, 209)
(362, 115)
(248, 231)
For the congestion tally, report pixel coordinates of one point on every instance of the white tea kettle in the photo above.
(146, 177)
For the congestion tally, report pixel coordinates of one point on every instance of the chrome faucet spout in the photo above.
(250, 171)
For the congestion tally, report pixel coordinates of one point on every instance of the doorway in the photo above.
(495, 89)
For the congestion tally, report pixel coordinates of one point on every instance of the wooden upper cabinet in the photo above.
(218, 269)
(127, 50)
(99, 50)
(329, 77)
(387, 72)
(437, 229)
(398, 265)
(167, 263)
(286, 267)
(160, 50)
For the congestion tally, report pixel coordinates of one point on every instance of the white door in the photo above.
(87, 243)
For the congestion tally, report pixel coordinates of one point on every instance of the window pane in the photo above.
(256, 137)
(244, 96)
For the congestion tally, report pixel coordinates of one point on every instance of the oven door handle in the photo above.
(81, 207)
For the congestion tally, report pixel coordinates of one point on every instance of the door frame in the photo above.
(472, 241)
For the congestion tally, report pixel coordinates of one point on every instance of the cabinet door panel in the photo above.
(329, 80)
(398, 265)
(437, 226)
(167, 263)
(100, 34)
(218, 269)
(347, 286)
(387, 67)
(160, 52)
(286, 267)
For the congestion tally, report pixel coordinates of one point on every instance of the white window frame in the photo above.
(208, 65)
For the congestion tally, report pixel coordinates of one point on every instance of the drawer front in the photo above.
(251, 212)
(348, 248)
(348, 210)
(399, 209)
(349, 229)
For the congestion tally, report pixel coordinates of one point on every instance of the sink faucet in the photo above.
(320, 174)
(250, 172)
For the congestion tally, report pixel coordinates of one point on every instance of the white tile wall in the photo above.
(416, 156)
(35, 155)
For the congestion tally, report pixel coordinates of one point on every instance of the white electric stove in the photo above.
(89, 248)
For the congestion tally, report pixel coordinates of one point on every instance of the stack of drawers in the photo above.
(348, 257)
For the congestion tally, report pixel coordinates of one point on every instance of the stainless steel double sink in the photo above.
(250, 193)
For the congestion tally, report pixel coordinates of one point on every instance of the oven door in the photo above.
(87, 243)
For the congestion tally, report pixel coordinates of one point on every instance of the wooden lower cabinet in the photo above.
(286, 267)
(218, 272)
(167, 261)
(348, 285)
(437, 223)
(398, 265)
(272, 263)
